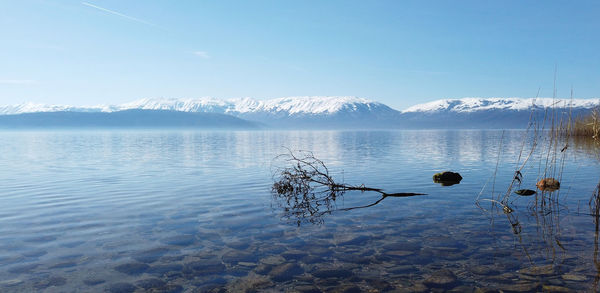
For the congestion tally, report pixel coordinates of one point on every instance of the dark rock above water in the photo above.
(447, 178)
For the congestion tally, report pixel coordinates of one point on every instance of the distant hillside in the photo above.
(127, 119)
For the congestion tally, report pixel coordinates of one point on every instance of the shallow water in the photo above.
(176, 211)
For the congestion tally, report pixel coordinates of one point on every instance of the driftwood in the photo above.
(306, 191)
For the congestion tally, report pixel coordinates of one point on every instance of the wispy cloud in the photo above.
(16, 81)
(117, 13)
(202, 54)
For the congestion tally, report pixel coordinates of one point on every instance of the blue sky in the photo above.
(397, 52)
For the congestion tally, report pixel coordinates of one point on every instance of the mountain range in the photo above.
(296, 113)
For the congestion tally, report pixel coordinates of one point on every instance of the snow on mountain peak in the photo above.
(35, 107)
(516, 104)
(184, 105)
(290, 105)
(299, 105)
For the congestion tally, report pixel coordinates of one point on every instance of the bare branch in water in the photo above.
(306, 191)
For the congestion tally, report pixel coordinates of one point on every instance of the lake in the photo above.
(194, 211)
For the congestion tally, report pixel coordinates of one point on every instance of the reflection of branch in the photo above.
(362, 207)
(306, 191)
(517, 229)
(384, 196)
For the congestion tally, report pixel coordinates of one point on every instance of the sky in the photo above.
(396, 52)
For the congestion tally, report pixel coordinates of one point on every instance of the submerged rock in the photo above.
(121, 288)
(150, 256)
(399, 253)
(348, 289)
(240, 245)
(381, 285)
(50, 282)
(414, 288)
(63, 265)
(12, 282)
(285, 272)
(164, 269)
(574, 277)
(546, 270)
(132, 268)
(332, 273)
(23, 269)
(461, 289)
(151, 283)
(548, 184)
(526, 286)
(447, 178)
(485, 290)
(93, 281)
(307, 289)
(355, 240)
(234, 256)
(171, 288)
(204, 267)
(294, 254)
(441, 279)
(273, 260)
(484, 269)
(263, 269)
(35, 253)
(180, 240)
(553, 288)
(250, 283)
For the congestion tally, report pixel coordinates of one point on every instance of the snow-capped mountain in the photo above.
(333, 112)
(495, 113)
(35, 108)
(291, 112)
(290, 105)
(513, 104)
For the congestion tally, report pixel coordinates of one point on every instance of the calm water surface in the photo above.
(177, 211)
